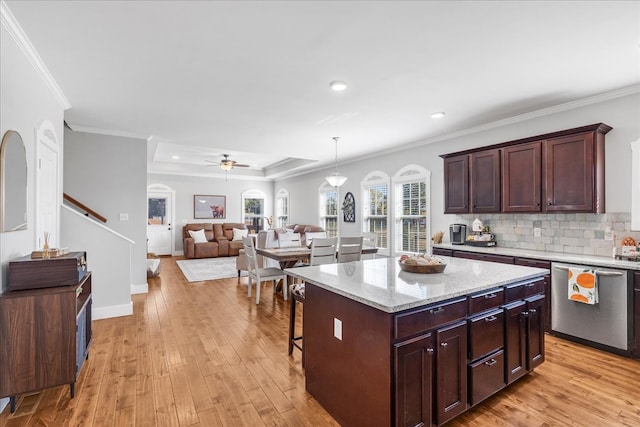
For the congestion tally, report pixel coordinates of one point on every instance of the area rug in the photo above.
(197, 270)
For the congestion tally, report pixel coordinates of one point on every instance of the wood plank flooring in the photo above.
(203, 354)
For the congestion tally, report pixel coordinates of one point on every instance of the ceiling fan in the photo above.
(226, 164)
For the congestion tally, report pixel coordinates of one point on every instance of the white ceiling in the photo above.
(251, 78)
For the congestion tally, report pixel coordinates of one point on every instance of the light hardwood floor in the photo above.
(203, 354)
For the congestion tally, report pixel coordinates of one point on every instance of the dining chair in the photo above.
(260, 275)
(350, 249)
(323, 251)
(370, 240)
(289, 240)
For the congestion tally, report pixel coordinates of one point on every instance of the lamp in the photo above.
(226, 166)
(335, 179)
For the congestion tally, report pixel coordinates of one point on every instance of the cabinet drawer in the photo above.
(486, 300)
(523, 290)
(486, 334)
(407, 324)
(486, 377)
(442, 252)
(533, 263)
(498, 258)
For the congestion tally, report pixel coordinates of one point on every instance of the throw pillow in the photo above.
(239, 233)
(198, 236)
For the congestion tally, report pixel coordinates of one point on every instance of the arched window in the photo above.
(329, 209)
(375, 208)
(412, 209)
(282, 208)
(253, 209)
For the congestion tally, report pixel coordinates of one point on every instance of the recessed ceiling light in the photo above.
(175, 157)
(338, 86)
(437, 115)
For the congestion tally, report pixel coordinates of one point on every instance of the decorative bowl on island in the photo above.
(423, 264)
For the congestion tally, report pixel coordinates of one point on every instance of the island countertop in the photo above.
(381, 284)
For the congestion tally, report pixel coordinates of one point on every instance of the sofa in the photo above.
(219, 240)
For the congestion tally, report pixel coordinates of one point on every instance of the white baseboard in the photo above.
(3, 403)
(139, 289)
(112, 311)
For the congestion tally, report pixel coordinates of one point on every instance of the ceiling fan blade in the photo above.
(239, 165)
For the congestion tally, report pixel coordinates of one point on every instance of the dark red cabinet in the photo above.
(484, 178)
(522, 178)
(414, 367)
(456, 184)
(451, 372)
(636, 315)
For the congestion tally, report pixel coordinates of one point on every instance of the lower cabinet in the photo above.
(451, 372)
(524, 336)
(636, 315)
(414, 381)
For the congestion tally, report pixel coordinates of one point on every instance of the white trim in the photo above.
(109, 132)
(108, 312)
(409, 173)
(16, 32)
(159, 188)
(376, 178)
(142, 288)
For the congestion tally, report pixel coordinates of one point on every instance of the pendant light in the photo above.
(335, 179)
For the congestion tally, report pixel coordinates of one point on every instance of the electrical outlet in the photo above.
(337, 328)
(124, 217)
(608, 234)
(537, 232)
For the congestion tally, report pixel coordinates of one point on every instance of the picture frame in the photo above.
(209, 207)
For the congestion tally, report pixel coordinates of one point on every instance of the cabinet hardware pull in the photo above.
(436, 310)
(490, 318)
(532, 310)
(491, 362)
(444, 344)
(430, 350)
(489, 296)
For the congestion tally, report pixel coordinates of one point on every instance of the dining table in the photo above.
(290, 256)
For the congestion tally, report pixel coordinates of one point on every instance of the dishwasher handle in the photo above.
(598, 272)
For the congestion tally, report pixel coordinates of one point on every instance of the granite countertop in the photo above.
(590, 260)
(381, 284)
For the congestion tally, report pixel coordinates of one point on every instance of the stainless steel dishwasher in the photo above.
(606, 323)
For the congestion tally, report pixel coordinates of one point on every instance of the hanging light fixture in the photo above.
(335, 179)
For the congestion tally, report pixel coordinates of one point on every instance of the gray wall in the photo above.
(187, 186)
(25, 101)
(621, 113)
(109, 175)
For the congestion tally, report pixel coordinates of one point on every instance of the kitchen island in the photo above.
(385, 347)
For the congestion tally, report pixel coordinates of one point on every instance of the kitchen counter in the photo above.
(381, 284)
(593, 260)
(383, 347)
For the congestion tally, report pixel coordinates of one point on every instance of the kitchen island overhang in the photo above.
(376, 338)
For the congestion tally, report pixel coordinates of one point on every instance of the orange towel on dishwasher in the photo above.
(583, 285)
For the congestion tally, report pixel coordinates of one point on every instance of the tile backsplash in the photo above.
(574, 233)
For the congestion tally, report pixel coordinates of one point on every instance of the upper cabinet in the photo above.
(472, 182)
(521, 173)
(557, 172)
(484, 178)
(456, 184)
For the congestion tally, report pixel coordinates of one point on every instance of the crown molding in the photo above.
(108, 132)
(16, 32)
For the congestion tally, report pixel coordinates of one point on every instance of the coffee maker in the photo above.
(457, 234)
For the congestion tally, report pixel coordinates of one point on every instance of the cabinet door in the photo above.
(636, 315)
(515, 341)
(484, 181)
(522, 178)
(569, 173)
(414, 381)
(456, 184)
(535, 331)
(547, 287)
(451, 372)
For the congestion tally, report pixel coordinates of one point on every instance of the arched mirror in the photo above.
(13, 182)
